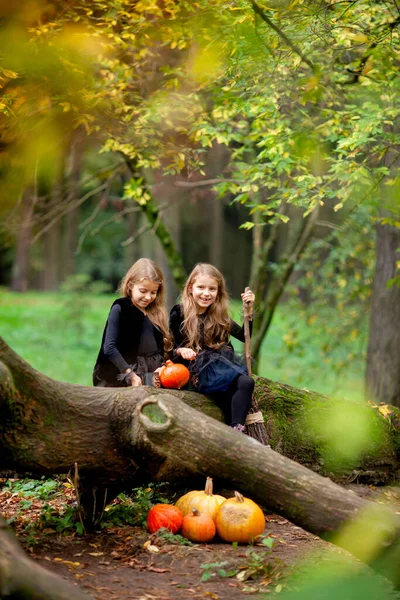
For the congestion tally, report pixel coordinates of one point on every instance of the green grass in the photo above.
(60, 334)
(57, 334)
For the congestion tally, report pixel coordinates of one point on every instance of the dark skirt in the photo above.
(215, 370)
(144, 367)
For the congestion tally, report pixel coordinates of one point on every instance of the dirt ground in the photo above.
(127, 562)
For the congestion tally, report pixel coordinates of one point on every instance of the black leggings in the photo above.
(236, 401)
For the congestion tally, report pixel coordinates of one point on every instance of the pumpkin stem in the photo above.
(239, 497)
(209, 486)
(196, 513)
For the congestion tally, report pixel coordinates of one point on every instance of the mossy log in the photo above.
(116, 435)
(345, 440)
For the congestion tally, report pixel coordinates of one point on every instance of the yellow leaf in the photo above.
(384, 410)
(150, 547)
(10, 74)
(71, 564)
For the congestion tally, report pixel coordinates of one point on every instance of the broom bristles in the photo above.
(256, 430)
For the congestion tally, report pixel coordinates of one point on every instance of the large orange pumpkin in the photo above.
(198, 527)
(239, 520)
(164, 515)
(204, 500)
(174, 375)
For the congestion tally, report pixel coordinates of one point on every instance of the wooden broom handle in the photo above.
(246, 315)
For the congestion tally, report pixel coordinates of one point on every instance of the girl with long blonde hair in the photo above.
(136, 335)
(201, 328)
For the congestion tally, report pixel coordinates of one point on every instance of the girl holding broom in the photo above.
(201, 327)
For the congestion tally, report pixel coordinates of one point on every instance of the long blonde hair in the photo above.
(144, 268)
(216, 323)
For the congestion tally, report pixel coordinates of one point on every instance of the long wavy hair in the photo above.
(144, 268)
(213, 329)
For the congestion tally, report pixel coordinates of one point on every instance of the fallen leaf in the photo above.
(150, 547)
(96, 553)
(158, 570)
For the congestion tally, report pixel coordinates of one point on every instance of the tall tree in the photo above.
(383, 359)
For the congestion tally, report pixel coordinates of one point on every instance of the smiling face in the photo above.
(143, 293)
(204, 291)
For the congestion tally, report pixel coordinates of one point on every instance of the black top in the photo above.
(122, 339)
(148, 342)
(176, 321)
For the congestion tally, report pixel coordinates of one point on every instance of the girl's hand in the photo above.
(248, 298)
(156, 377)
(186, 353)
(135, 380)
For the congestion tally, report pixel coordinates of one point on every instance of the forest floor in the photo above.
(128, 562)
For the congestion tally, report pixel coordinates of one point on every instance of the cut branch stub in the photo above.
(154, 415)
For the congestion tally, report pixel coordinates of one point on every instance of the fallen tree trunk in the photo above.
(123, 434)
(47, 426)
(21, 578)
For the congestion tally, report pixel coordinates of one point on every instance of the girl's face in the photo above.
(143, 293)
(204, 290)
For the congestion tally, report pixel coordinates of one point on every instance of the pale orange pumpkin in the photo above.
(198, 527)
(174, 375)
(239, 520)
(204, 500)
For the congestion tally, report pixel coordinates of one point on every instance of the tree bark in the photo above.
(72, 217)
(20, 271)
(383, 356)
(22, 579)
(117, 435)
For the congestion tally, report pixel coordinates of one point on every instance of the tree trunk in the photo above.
(383, 357)
(20, 271)
(116, 435)
(21, 578)
(53, 235)
(72, 217)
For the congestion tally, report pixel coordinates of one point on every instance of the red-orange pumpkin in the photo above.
(174, 376)
(198, 527)
(164, 515)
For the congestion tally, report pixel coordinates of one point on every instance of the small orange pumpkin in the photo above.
(198, 527)
(239, 520)
(174, 375)
(204, 500)
(164, 515)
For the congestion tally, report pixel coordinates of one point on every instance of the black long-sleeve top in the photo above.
(176, 320)
(128, 334)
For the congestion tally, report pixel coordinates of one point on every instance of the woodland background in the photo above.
(263, 138)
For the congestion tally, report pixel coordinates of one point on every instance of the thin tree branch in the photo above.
(258, 10)
(203, 182)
